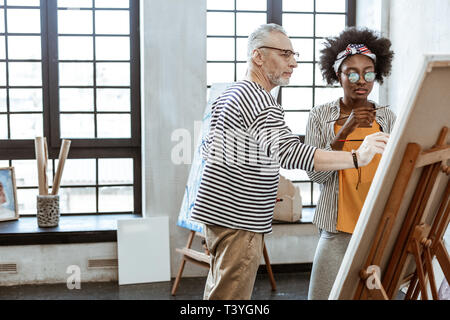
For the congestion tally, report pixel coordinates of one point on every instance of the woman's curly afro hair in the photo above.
(378, 45)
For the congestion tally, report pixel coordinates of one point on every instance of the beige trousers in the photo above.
(235, 258)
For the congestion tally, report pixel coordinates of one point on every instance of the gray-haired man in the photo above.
(238, 190)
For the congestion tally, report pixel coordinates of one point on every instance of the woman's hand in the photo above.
(360, 117)
(372, 144)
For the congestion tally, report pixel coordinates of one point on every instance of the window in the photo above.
(229, 23)
(307, 23)
(72, 72)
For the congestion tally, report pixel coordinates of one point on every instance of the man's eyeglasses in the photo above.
(353, 77)
(286, 53)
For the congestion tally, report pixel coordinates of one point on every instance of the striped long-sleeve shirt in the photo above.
(320, 133)
(247, 143)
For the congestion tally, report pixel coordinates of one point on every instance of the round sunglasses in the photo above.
(353, 77)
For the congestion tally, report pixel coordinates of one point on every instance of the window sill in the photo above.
(82, 229)
(71, 229)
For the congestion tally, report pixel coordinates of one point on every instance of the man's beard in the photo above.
(279, 81)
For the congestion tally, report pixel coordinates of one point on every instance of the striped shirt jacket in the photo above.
(248, 141)
(321, 134)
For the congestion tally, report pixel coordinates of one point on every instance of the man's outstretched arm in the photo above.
(339, 160)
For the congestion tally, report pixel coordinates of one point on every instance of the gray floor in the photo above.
(290, 286)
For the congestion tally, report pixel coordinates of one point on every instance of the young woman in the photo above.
(354, 59)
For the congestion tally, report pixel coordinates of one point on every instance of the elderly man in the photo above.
(247, 143)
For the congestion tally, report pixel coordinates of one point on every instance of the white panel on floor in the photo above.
(143, 250)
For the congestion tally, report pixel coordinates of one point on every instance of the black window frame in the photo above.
(81, 148)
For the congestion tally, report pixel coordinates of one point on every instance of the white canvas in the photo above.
(420, 120)
(143, 250)
(198, 164)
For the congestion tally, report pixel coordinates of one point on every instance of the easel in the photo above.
(421, 240)
(202, 259)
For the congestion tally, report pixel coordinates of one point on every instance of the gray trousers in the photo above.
(327, 261)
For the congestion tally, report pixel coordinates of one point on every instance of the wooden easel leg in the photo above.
(378, 293)
(414, 287)
(411, 288)
(269, 268)
(420, 271)
(415, 295)
(443, 259)
(438, 248)
(442, 218)
(429, 266)
(183, 263)
(373, 287)
(178, 278)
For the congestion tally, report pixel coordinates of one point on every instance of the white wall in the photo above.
(374, 14)
(174, 96)
(415, 27)
(48, 263)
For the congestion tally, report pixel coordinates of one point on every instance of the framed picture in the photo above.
(8, 195)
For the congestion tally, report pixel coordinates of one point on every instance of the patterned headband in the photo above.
(353, 49)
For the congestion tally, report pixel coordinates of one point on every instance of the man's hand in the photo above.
(372, 144)
(339, 160)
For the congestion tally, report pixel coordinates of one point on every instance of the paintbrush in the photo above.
(349, 115)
